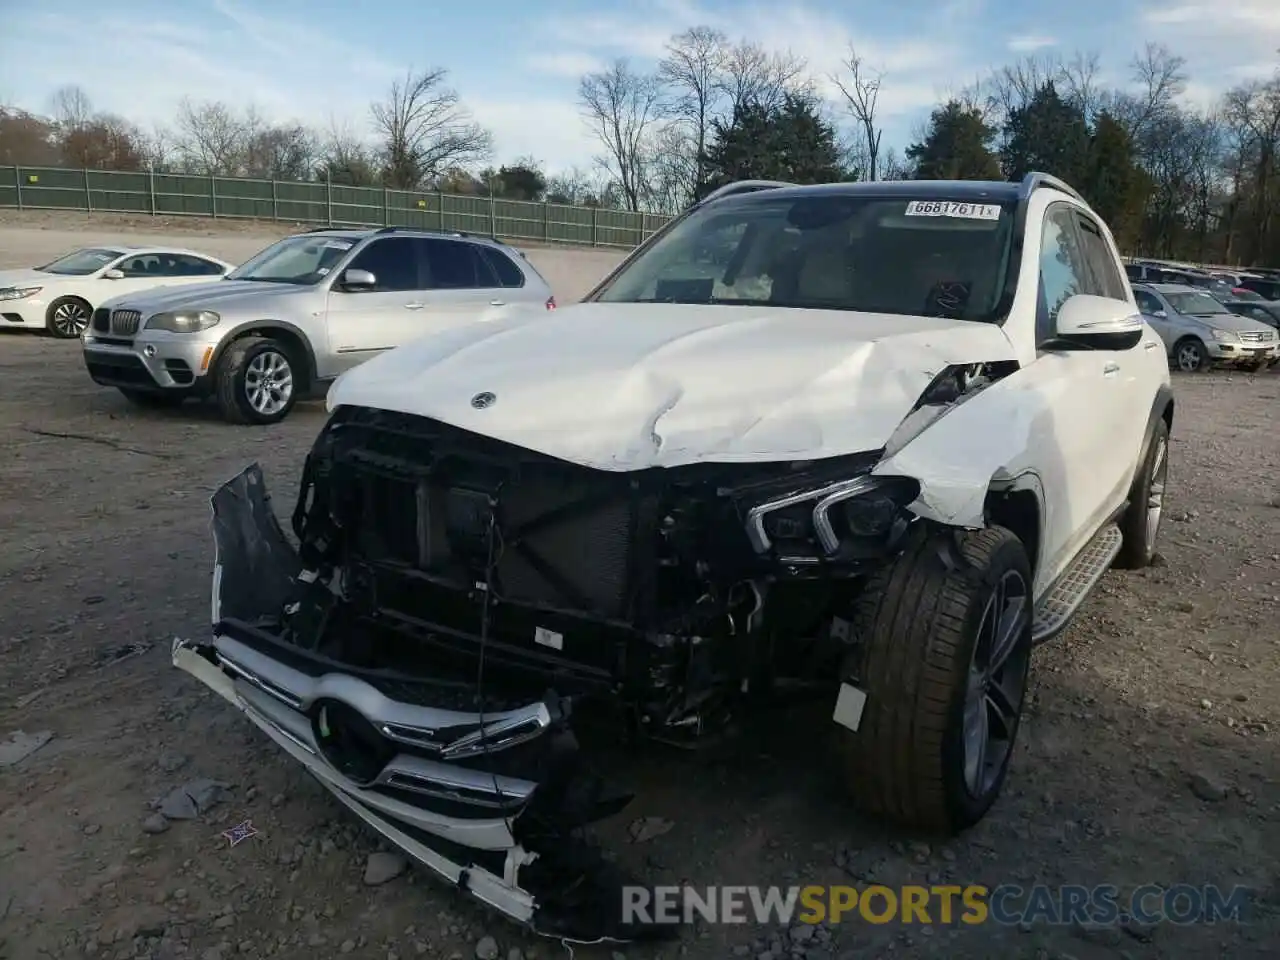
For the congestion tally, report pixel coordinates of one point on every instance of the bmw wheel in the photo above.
(256, 381)
(67, 317)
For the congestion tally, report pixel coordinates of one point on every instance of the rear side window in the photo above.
(1107, 281)
(509, 275)
(455, 266)
(1147, 303)
(391, 262)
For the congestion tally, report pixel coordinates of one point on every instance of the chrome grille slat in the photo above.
(125, 323)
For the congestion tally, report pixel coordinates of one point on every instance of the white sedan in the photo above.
(60, 296)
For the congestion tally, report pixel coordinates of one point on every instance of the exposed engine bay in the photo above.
(458, 613)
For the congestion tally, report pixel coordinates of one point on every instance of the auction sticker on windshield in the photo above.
(948, 208)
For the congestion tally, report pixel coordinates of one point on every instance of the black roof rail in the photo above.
(743, 186)
(1034, 180)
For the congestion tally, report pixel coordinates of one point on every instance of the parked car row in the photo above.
(1200, 331)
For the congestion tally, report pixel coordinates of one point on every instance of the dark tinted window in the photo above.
(1063, 272)
(1268, 288)
(1133, 271)
(143, 265)
(183, 265)
(1107, 281)
(452, 265)
(1147, 303)
(509, 275)
(391, 261)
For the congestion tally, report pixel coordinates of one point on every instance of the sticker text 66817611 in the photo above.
(949, 208)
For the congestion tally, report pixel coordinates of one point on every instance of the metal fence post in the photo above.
(275, 201)
(440, 208)
(151, 188)
(213, 194)
(328, 202)
(17, 182)
(493, 216)
(386, 207)
(594, 210)
(88, 194)
(546, 219)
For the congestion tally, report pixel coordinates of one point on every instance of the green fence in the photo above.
(170, 194)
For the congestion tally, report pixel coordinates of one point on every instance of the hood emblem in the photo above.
(482, 401)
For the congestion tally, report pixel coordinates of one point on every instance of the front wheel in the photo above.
(255, 381)
(944, 658)
(1140, 524)
(1190, 355)
(67, 318)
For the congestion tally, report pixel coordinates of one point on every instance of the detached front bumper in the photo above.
(491, 801)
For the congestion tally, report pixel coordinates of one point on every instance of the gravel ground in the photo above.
(1150, 753)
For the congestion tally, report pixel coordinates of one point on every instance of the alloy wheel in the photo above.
(1155, 493)
(70, 319)
(1189, 360)
(997, 681)
(268, 382)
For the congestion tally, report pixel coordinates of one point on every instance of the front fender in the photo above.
(961, 453)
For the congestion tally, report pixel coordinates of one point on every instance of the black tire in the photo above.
(67, 318)
(151, 400)
(919, 625)
(1190, 355)
(1141, 521)
(232, 383)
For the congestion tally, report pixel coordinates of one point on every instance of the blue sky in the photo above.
(516, 64)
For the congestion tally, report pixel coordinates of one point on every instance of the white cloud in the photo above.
(548, 130)
(1233, 40)
(1029, 43)
(571, 64)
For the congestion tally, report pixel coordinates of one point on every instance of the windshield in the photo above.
(82, 262)
(877, 255)
(1195, 304)
(300, 260)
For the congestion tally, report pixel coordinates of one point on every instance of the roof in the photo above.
(1173, 288)
(989, 191)
(362, 233)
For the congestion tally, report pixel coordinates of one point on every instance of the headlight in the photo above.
(18, 293)
(862, 510)
(183, 321)
(1224, 335)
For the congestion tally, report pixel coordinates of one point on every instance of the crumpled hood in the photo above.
(217, 294)
(29, 278)
(628, 386)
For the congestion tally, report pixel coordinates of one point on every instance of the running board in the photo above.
(1060, 604)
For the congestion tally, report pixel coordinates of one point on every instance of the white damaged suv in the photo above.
(875, 441)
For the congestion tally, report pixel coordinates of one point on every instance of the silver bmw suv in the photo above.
(288, 321)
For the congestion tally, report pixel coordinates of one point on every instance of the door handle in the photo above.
(416, 305)
(497, 303)
(1110, 369)
(1150, 345)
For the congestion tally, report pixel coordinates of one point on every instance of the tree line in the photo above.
(419, 136)
(1173, 180)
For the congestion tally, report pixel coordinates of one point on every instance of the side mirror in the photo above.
(1160, 315)
(113, 274)
(1097, 323)
(355, 281)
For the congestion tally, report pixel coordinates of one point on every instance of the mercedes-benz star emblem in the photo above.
(482, 400)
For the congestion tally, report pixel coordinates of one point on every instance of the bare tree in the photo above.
(71, 108)
(281, 153)
(1080, 85)
(211, 138)
(1161, 78)
(425, 129)
(1252, 112)
(345, 157)
(755, 75)
(104, 142)
(860, 87)
(621, 107)
(693, 74)
(26, 140)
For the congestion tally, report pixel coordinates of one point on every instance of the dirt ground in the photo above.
(1150, 752)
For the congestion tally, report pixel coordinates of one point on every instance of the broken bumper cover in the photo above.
(491, 802)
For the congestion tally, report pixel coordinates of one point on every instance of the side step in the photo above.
(1059, 605)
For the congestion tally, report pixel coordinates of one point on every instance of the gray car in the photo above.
(294, 317)
(1199, 331)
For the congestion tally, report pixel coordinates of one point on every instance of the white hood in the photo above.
(27, 278)
(627, 386)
